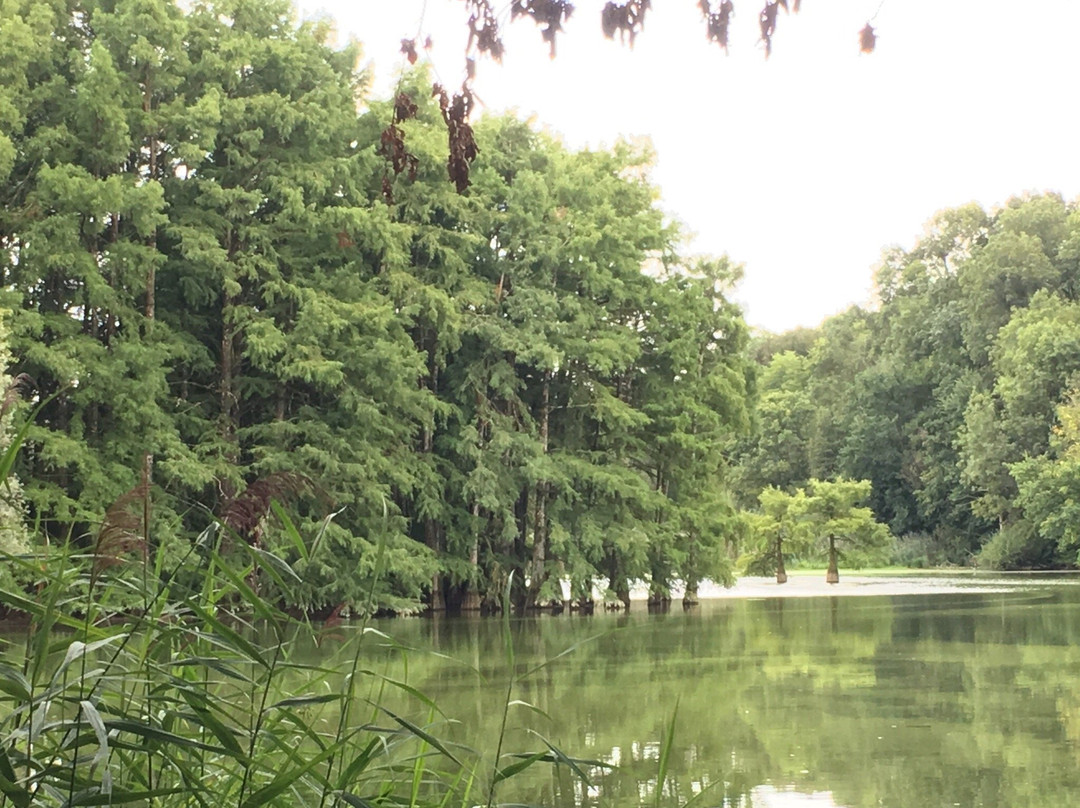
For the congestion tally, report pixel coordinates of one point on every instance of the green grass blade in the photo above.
(216, 664)
(78, 649)
(258, 605)
(20, 797)
(226, 736)
(560, 757)
(301, 701)
(98, 725)
(527, 706)
(360, 762)
(322, 530)
(406, 688)
(232, 638)
(665, 754)
(565, 652)
(353, 800)
(276, 567)
(291, 533)
(114, 797)
(285, 780)
(519, 766)
(7, 459)
(14, 683)
(420, 733)
(152, 733)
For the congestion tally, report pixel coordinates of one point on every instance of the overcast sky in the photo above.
(805, 166)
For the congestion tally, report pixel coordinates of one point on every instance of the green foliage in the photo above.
(945, 396)
(1049, 497)
(774, 530)
(832, 513)
(203, 270)
(207, 696)
(812, 522)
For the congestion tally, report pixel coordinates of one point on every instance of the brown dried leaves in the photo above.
(626, 19)
(404, 107)
(716, 23)
(392, 146)
(463, 149)
(767, 20)
(551, 14)
(867, 39)
(408, 47)
(484, 29)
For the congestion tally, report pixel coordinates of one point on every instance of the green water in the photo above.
(956, 699)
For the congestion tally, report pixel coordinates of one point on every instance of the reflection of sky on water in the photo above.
(801, 585)
(953, 688)
(807, 585)
(772, 797)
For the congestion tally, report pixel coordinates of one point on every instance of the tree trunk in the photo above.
(690, 597)
(659, 593)
(152, 148)
(781, 573)
(833, 575)
(617, 582)
(227, 395)
(691, 576)
(471, 600)
(537, 569)
(151, 286)
(432, 538)
(432, 529)
(518, 593)
(581, 594)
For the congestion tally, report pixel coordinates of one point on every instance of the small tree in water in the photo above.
(832, 513)
(777, 523)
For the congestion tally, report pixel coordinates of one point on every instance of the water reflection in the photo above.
(770, 797)
(967, 698)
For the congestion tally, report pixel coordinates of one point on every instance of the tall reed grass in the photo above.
(132, 680)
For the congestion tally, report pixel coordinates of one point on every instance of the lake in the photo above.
(915, 691)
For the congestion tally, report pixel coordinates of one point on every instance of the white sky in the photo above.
(805, 166)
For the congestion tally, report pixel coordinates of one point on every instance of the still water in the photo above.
(964, 693)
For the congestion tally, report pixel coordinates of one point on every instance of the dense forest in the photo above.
(229, 285)
(210, 290)
(955, 395)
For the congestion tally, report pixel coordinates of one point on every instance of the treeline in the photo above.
(211, 295)
(956, 396)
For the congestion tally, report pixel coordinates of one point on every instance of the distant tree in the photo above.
(832, 515)
(822, 516)
(763, 347)
(776, 453)
(775, 525)
(1049, 485)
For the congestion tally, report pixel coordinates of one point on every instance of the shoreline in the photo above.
(811, 583)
